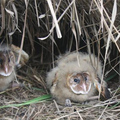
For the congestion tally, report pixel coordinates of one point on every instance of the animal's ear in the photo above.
(102, 88)
(24, 56)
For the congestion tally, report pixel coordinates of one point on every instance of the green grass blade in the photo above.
(111, 77)
(35, 100)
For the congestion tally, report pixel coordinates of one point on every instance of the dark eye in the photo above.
(85, 78)
(11, 58)
(1, 61)
(8, 59)
(76, 80)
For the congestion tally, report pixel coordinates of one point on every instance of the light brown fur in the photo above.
(69, 64)
(5, 81)
(8, 62)
(7, 65)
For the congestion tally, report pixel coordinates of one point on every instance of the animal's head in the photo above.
(79, 83)
(7, 62)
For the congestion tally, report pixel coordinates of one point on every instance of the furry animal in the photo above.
(8, 59)
(7, 65)
(76, 78)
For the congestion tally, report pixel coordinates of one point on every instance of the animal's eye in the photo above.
(8, 59)
(85, 78)
(76, 80)
(1, 61)
(11, 58)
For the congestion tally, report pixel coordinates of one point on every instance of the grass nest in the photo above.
(46, 29)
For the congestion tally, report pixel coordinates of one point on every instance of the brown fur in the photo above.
(5, 81)
(69, 64)
(7, 64)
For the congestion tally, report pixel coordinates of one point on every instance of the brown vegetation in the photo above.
(91, 26)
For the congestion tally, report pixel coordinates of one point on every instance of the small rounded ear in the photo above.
(24, 56)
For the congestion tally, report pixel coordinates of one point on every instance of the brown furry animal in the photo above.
(7, 64)
(75, 78)
(8, 59)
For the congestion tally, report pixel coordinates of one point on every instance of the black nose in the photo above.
(77, 80)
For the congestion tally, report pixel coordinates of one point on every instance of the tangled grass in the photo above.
(46, 29)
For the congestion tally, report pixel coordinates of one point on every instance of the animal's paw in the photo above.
(68, 103)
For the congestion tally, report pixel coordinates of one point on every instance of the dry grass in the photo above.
(37, 26)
